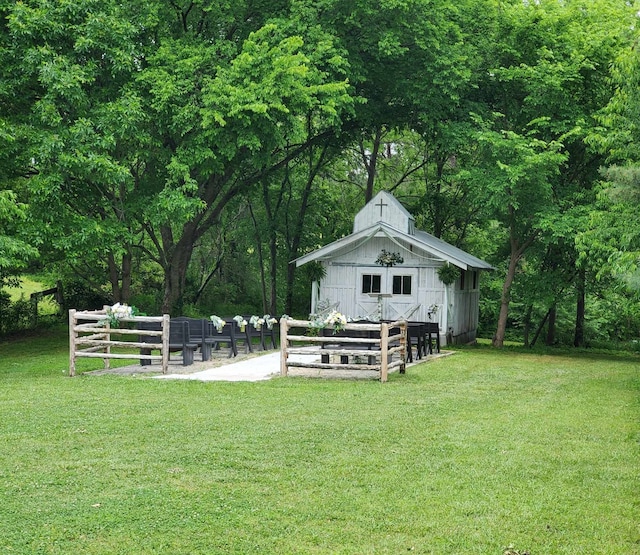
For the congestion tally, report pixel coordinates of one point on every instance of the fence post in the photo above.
(107, 349)
(284, 345)
(72, 343)
(384, 351)
(165, 342)
(34, 310)
(404, 332)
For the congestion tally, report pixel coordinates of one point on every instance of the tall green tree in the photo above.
(548, 73)
(613, 237)
(150, 117)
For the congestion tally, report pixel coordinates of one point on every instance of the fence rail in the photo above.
(379, 350)
(98, 343)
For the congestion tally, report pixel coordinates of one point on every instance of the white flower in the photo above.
(119, 311)
(218, 323)
(242, 323)
(335, 319)
(256, 321)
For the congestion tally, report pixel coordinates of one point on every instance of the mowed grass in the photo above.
(468, 454)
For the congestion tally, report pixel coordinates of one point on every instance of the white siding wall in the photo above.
(343, 283)
(464, 321)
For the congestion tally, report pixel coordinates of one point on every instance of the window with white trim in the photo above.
(371, 283)
(402, 285)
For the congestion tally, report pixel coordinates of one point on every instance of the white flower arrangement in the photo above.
(218, 322)
(334, 319)
(242, 323)
(256, 321)
(270, 320)
(388, 259)
(432, 310)
(117, 312)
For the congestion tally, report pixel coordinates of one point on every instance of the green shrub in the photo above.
(16, 316)
(80, 296)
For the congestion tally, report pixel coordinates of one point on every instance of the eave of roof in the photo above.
(421, 240)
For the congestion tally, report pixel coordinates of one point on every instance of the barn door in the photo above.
(403, 286)
(369, 290)
(387, 293)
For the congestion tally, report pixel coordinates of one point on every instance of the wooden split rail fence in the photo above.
(90, 335)
(377, 347)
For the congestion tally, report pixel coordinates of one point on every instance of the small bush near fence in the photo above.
(17, 315)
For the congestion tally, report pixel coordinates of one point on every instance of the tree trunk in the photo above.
(291, 274)
(505, 298)
(120, 278)
(295, 239)
(114, 277)
(551, 328)
(516, 254)
(539, 329)
(175, 268)
(527, 325)
(174, 281)
(370, 163)
(263, 277)
(273, 272)
(578, 338)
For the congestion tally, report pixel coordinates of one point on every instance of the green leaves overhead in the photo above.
(15, 251)
(263, 97)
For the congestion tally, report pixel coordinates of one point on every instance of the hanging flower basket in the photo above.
(448, 273)
(388, 259)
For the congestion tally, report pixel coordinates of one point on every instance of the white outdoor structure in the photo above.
(359, 287)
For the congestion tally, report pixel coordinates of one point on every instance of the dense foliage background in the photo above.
(178, 155)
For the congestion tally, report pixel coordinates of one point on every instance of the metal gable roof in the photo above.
(420, 239)
(438, 245)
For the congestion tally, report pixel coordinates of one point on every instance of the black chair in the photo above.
(226, 336)
(432, 335)
(415, 337)
(327, 332)
(269, 336)
(198, 334)
(179, 340)
(262, 336)
(253, 335)
(241, 336)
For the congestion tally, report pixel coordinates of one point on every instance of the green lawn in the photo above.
(467, 454)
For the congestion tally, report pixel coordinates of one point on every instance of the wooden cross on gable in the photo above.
(381, 204)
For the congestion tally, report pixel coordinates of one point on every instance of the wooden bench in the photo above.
(415, 337)
(179, 340)
(432, 335)
(264, 335)
(226, 336)
(350, 345)
(198, 328)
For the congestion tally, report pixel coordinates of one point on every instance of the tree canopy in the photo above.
(167, 150)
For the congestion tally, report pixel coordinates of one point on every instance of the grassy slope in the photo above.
(464, 455)
(29, 285)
